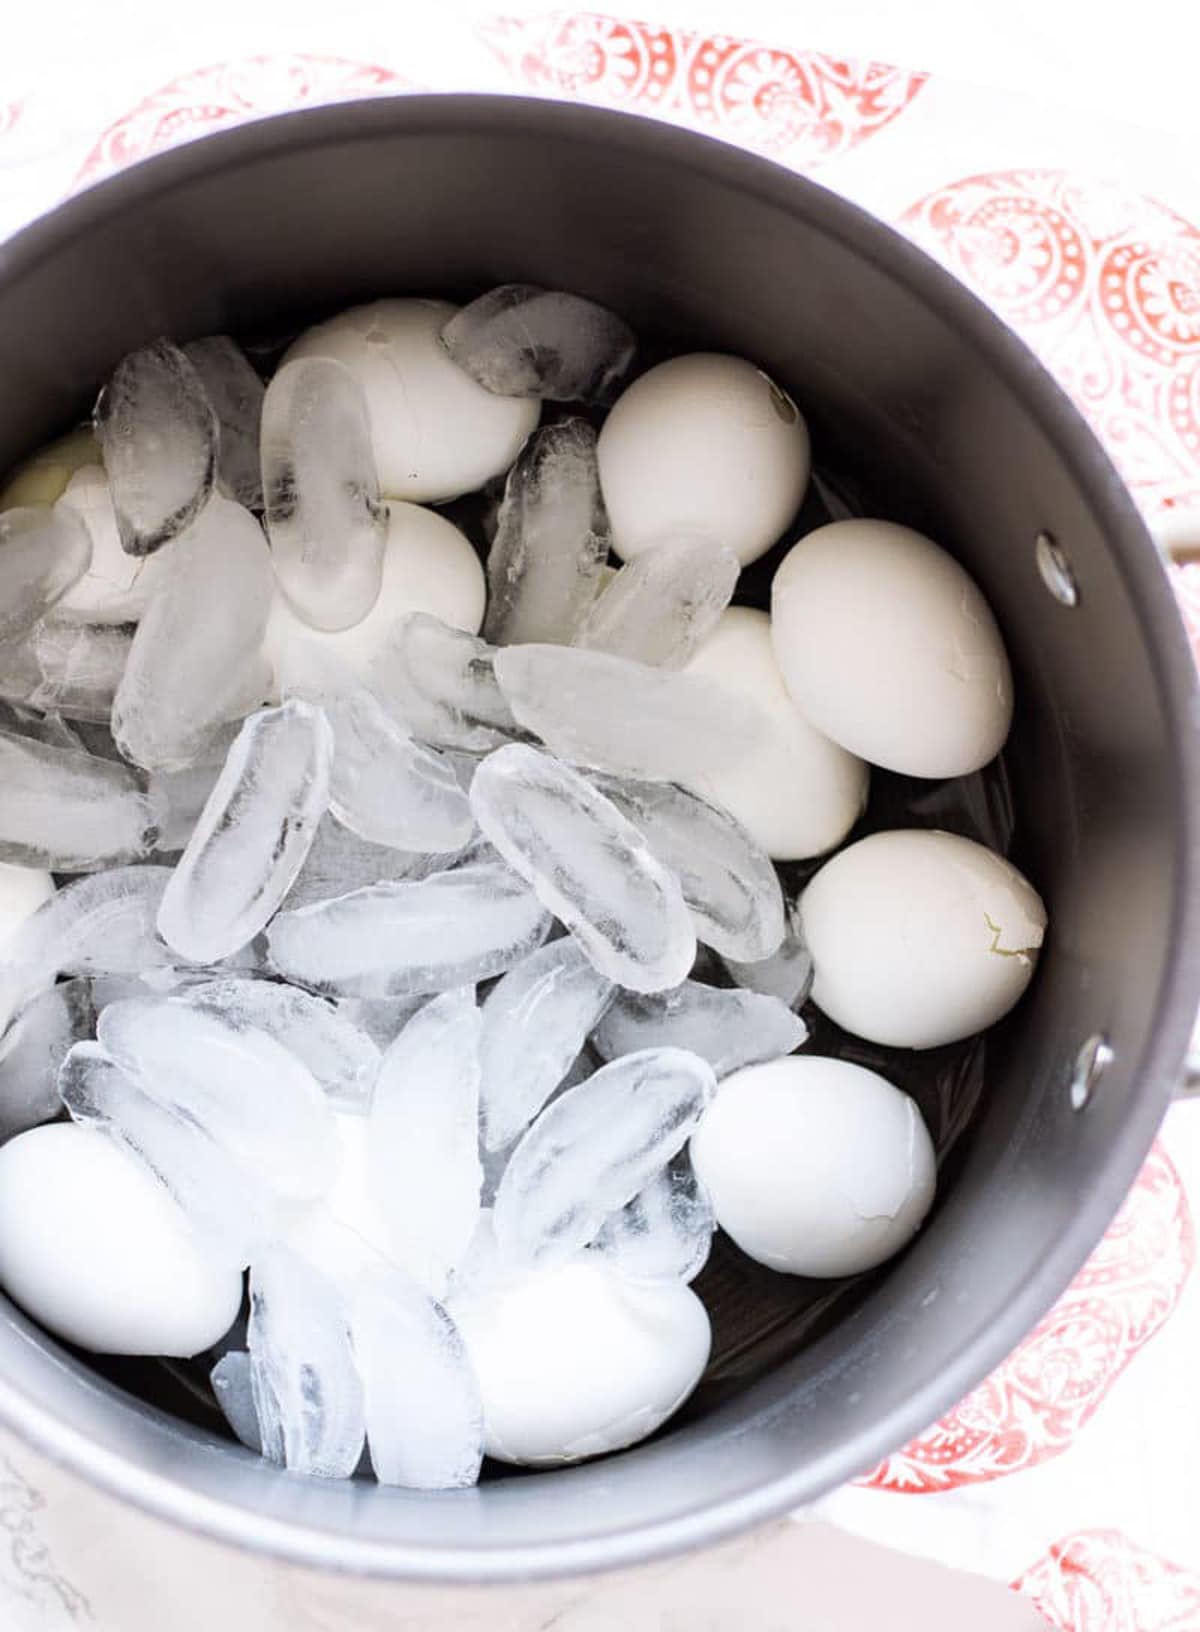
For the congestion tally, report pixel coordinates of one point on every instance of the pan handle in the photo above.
(1178, 537)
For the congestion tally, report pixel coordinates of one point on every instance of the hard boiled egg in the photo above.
(796, 793)
(703, 444)
(96, 1249)
(428, 566)
(436, 432)
(116, 586)
(815, 1166)
(889, 648)
(43, 477)
(575, 1360)
(919, 938)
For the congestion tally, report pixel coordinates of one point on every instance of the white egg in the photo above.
(436, 432)
(43, 477)
(574, 1360)
(98, 1252)
(889, 648)
(428, 566)
(116, 586)
(703, 444)
(919, 938)
(815, 1166)
(797, 793)
(22, 892)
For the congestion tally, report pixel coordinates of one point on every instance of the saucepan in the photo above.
(924, 409)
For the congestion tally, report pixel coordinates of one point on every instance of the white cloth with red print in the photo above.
(1051, 158)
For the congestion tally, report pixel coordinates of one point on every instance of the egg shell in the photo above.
(574, 1361)
(436, 432)
(888, 647)
(428, 566)
(22, 892)
(919, 937)
(815, 1166)
(116, 586)
(798, 794)
(96, 1249)
(43, 477)
(704, 444)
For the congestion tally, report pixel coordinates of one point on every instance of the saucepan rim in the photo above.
(1145, 582)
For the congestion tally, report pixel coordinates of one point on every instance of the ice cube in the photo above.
(51, 729)
(423, 1132)
(116, 587)
(595, 1148)
(585, 1064)
(19, 673)
(483, 1268)
(234, 1391)
(102, 924)
(552, 539)
(384, 786)
(728, 1028)
(253, 1097)
(523, 341)
(180, 796)
(68, 811)
(97, 739)
(221, 1199)
(423, 1411)
(158, 437)
(341, 1057)
(660, 606)
(339, 862)
(197, 644)
(325, 520)
(80, 667)
(440, 681)
(106, 989)
(424, 935)
(236, 393)
(787, 974)
(253, 833)
(535, 1022)
(382, 1019)
(308, 1396)
(626, 717)
(587, 865)
(33, 1048)
(55, 732)
(665, 1232)
(728, 880)
(43, 551)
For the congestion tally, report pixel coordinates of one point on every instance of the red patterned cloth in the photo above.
(1032, 1408)
(229, 93)
(1100, 1580)
(799, 106)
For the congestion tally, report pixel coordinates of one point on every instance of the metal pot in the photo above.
(953, 427)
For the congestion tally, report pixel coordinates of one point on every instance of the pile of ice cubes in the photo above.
(459, 897)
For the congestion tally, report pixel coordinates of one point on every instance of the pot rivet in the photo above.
(1092, 1061)
(1056, 570)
